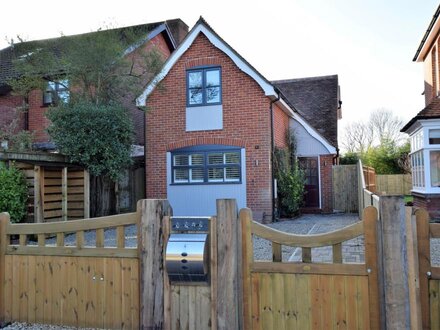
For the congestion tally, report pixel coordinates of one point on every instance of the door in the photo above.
(311, 171)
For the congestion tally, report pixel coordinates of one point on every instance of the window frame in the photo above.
(59, 86)
(206, 151)
(204, 70)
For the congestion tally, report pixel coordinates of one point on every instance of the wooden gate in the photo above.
(429, 275)
(69, 283)
(307, 295)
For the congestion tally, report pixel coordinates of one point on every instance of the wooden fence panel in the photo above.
(80, 286)
(429, 275)
(66, 302)
(345, 188)
(307, 295)
(393, 184)
(370, 178)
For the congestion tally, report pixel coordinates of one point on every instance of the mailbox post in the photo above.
(187, 252)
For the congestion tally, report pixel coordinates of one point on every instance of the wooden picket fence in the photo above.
(80, 286)
(119, 287)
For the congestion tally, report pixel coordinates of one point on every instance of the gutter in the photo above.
(427, 33)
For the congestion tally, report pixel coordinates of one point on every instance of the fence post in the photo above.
(372, 248)
(151, 253)
(228, 275)
(246, 261)
(4, 220)
(424, 258)
(395, 263)
(413, 270)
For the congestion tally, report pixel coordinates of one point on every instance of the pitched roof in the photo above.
(174, 32)
(317, 100)
(431, 111)
(268, 87)
(202, 26)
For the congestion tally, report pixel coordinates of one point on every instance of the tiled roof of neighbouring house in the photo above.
(317, 100)
(431, 111)
(176, 27)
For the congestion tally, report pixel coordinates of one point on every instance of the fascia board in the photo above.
(217, 42)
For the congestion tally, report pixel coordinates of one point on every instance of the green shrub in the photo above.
(349, 158)
(290, 190)
(13, 193)
(98, 137)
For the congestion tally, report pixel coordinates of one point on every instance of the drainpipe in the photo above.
(336, 157)
(272, 150)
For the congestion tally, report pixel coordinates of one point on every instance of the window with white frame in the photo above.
(56, 92)
(434, 166)
(206, 166)
(434, 136)
(417, 141)
(418, 170)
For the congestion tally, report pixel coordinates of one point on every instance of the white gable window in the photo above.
(56, 92)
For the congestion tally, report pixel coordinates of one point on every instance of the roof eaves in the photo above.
(416, 118)
(427, 34)
(218, 42)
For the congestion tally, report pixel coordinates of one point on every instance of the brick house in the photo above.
(213, 124)
(424, 128)
(164, 36)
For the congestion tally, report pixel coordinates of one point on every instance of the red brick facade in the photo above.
(38, 122)
(326, 163)
(246, 122)
(9, 112)
(281, 124)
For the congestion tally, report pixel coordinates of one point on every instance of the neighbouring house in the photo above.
(212, 126)
(424, 128)
(53, 173)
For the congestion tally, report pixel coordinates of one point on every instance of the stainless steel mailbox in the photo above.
(187, 257)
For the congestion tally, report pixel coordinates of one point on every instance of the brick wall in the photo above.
(38, 122)
(136, 114)
(9, 112)
(429, 202)
(281, 127)
(246, 123)
(326, 163)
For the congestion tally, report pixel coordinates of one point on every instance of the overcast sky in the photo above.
(368, 43)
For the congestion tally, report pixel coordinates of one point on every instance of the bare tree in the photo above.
(386, 127)
(357, 138)
(382, 127)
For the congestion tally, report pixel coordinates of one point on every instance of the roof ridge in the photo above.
(305, 78)
(91, 32)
